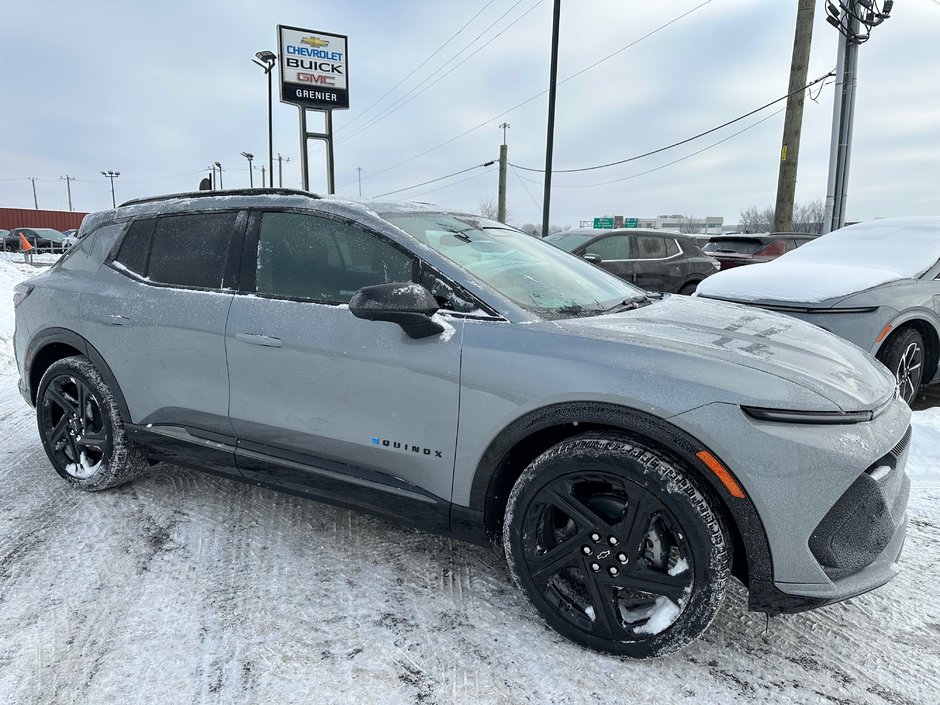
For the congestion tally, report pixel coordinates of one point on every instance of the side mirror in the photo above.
(592, 258)
(409, 305)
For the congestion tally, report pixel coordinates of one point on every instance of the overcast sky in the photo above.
(158, 91)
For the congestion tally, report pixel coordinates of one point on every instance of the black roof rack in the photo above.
(229, 192)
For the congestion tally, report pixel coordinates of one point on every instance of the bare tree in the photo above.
(488, 208)
(807, 218)
(689, 225)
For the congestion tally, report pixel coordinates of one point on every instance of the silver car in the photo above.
(874, 284)
(629, 452)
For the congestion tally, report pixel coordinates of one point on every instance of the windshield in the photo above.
(522, 268)
(567, 242)
(742, 246)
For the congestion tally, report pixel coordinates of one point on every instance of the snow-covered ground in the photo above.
(187, 588)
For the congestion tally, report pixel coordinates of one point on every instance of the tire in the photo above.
(616, 547)
(904, 356)
(689, 289)
(81, 427)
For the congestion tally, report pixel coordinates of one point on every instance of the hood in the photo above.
(772, 343)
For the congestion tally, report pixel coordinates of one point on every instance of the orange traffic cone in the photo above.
(25, 245)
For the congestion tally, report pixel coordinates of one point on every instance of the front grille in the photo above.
(899, 449)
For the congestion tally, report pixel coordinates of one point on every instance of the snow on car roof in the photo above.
(838, 264)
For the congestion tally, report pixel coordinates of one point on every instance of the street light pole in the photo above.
(280, 171)
(111, 175)
(219, 167)
(359, 172)
(251, 177)
(266, 60)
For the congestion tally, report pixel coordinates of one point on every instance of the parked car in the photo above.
(875, 284)
(630, 452)
(42, 239)
(736, 250)
(70, 238)
(654, 260)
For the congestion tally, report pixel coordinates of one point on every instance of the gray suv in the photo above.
(630, 453)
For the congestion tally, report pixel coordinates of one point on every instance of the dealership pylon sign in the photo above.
(313, 68)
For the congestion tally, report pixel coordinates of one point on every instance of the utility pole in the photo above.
(251, 176)
(854, 19)
(111, 175)
(262, 176)
(503, 159)
(359, 171)
(68, 187)
(549, 142)
(793, 121)
(35, 200)
(280, 171)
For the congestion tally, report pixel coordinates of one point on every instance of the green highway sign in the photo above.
(630, 223)
(604, 223)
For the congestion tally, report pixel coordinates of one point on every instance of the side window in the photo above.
(191, 250)
(92, 250)
(613, 247)
(651, 247)
(672, 248)
(135, 247)
(774, 249)
(308, 257)
(792, 244)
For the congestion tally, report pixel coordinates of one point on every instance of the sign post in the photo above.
(314, 77)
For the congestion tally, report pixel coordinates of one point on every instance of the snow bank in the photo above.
(843, 262)
(923, 463)
(12, 271)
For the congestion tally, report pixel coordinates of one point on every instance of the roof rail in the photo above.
(230, 192)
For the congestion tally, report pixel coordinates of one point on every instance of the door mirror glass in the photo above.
(409, 305)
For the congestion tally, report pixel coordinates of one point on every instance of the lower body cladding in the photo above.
(832, 499)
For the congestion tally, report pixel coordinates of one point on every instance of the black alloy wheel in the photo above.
(904, 356)
(615, 547)
(81, 427)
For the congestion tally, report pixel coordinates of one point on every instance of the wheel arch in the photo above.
(53, 344)
(928, 331)
(526, 438)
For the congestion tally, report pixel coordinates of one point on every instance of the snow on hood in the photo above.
(836, 265)
(772, 343)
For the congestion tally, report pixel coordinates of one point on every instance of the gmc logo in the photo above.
(316, 78)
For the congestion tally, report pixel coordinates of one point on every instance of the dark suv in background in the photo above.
(735, 250)
(654, 260)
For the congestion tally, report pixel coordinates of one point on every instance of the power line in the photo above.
(415, 92)
(451, 185)
(681, 142)
(540, 94)
(419, 66)
(526, 188)
(439, 178)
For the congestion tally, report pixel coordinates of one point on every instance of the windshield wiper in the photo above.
(630, 304)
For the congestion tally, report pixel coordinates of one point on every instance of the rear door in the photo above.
(157, 315)
(616, 253)
(328, 394)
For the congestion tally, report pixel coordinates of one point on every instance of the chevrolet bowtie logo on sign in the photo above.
(315, 42)
(313, 68)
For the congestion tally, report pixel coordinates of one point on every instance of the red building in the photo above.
(28, 218)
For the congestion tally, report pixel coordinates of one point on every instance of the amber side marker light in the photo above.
(882, 334)
(733, 487)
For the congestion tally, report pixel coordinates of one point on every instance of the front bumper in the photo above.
(828, 540)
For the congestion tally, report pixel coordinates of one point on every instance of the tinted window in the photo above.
(613, 247)
(568, 242)
(191, 250)
(303, 256)
(651, 247)
(672, 247)
(135, 247)
(744, 246)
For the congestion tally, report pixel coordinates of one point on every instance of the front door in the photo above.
(323, 390)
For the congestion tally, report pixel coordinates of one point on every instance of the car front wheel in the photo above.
(81, 427)
(904, 356)
(616, 547)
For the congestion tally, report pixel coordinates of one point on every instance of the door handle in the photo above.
(256, 339)
(115, 319)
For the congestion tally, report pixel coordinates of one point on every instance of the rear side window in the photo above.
(308, 257)
(191, 250)
(672, 247)
(179, 250)
(651, 247)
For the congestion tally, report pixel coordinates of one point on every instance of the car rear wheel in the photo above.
(616, 547)
(689, 289)
(904, 356)
(81, 427)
